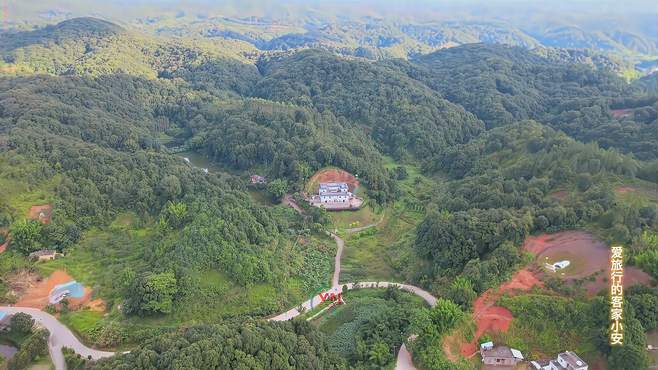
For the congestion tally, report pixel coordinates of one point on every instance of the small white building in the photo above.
(565, 361)
(334, 192)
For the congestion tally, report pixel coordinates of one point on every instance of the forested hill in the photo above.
(501, 85)
(401, 113)
(74, 30)
(90, 46)
(91, 114)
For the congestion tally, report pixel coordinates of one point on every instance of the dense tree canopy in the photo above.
(290, 345)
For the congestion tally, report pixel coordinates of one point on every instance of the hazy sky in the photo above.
(517, 11)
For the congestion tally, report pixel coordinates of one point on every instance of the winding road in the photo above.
(404, 357)
(60, 336)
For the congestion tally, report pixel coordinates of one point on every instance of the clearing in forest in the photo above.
(36, 294)
(587, 255)
(491, 318)
(41, 213)
(331, 175)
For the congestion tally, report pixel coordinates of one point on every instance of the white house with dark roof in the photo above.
(567, 360)
(499, 355)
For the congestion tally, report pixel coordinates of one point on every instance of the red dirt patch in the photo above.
(618, 113)
(96, 305)
(41, 213)
(36, 294)
(592, 257)
(490, 318)
(625, 189)
(333, 175)
(559, 195)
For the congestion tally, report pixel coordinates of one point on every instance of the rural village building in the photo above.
(499, 355)
(565, 361)
(335, 196)
(44, 255)
(334, 192)
(256, 179)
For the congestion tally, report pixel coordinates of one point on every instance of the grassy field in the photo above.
(374, 254)
(343, 323)
(385, 253)
(81, 322)
(21, 188)
(366, 215)
(261, 197)
(100, 257)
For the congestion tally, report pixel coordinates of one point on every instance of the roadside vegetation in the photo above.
(462, 154)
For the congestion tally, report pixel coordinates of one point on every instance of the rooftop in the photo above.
(572, 359)
(336, 194)
(540, 364)
(43, 252)
(502, 352)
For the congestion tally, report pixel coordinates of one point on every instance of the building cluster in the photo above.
(335, 196)
(334, 192)
(493, 356)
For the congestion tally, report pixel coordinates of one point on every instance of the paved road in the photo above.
(294, 312)
(340, 245)
(404, 359)
(60, 336)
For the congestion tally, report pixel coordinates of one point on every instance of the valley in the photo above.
(186, 191)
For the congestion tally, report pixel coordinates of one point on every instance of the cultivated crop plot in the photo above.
(323, 184)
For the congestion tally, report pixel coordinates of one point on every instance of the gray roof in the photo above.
(338, 194)
(43, 252)
(540, 364)
(572, 359)
(498, 352)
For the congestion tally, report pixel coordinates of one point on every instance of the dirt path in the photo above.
(290, 201)
(489, 317)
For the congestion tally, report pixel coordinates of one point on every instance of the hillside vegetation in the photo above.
(463, 152)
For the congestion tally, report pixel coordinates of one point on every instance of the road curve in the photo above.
(60, 336)
(404, 357)
(316, 300)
